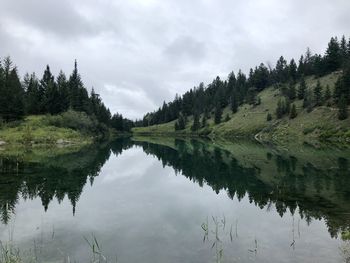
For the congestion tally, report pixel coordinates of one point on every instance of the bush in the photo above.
(79, 121)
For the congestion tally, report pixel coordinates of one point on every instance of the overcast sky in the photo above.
(138, 53)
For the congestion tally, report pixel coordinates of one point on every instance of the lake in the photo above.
(173, 200)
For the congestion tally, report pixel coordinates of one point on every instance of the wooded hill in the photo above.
(50, 95)
(317, 83)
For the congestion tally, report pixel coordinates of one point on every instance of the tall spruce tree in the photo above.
(318, 94)
(343, 109)
(218, 114)
(302, 89)
(11, 92)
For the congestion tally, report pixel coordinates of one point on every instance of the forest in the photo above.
(53, 95)
(203, 101)
(58, 95)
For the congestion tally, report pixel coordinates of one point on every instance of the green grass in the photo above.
(36, 130)
(320, 124)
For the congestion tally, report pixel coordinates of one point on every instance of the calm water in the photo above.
(171, 200)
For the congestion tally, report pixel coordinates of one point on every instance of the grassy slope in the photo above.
(35, 129)
(251, 121)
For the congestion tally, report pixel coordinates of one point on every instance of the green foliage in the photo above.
(343, 109)
(283, 107)
(196, 125)
(79, 121)
(291, 91)
(11, 92)
(239, 89)
(217, 114)
(181, 122)
(302, 89)
(318, 94)
(327, 94)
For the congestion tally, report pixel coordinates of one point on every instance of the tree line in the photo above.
(240, 88)
(52, 95)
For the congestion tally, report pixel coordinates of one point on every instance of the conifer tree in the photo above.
(280, 109)
(11, 92)
(291, 91)
(195, 125)
(302, 89)
(32, 96)
(234, 102)
(327, 94)
(318, 94)
(343, 109)
(217, 114)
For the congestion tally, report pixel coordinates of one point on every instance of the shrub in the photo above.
(79, 121)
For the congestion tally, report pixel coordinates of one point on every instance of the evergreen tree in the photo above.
(63, 90)
(327, 94)
(182, 120)
(343, 109)
(342, 86)
(333, 55)
(280, 109)
(234, 102)
(32, 96)
(293, 112)
(291, 91)
(11, 92)
(46, 88)
(293, 70)
(196, 124)
(281, 70)
(318, 94)
(78, 94)
(302, 89)
(217, 114)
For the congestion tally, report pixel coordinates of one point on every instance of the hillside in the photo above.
(251, 121)
(41, 130)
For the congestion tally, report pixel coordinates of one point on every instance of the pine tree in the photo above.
(32, 96)
(234, 102)
(63, 91)
(217, 114)
(196, 124)
(343, 109)
(291, 91)
(333, 55)
(302, 89)
(293, 70)
(293, 112)
(182, 120)
(327, 94)
(78, 94)
(45, 89)
(11, 92)
(280, 109)
(318, 94)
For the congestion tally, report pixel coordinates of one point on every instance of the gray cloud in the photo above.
(138, 53)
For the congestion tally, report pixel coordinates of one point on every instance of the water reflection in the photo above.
(314, 184)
